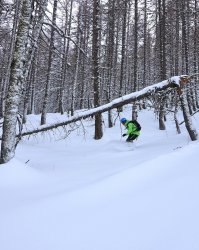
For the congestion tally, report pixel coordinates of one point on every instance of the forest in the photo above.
(59, 56)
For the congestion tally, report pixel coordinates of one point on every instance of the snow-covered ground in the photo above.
(82, 194)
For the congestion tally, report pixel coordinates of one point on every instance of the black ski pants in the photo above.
(131, 137)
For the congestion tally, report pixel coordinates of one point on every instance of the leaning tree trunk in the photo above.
(175, 114)
(139, 95)
(187, 118)
(115, 104)
(15, 85)
(184, 105)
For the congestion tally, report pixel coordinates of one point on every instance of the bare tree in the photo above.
(15, 87)
(110, 55)
(36, 25)
(67, 32)
(135, 63)
(50, 60)
(96, 77)
(77, 62)
(12, 44)
(123, 52)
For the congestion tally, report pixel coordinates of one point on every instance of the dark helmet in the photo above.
(123, 120)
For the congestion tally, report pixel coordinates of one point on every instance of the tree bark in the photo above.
(31, 54)
(12, 44)
(50, 59)
(110, 55)
(65, 56)
(75, 81)
(187, 118)
(96, 77)
(15, 85)
(135, 63)
(123, 47)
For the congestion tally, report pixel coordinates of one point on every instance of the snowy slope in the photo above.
(81, 194)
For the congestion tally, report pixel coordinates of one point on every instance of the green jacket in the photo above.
(131, 128)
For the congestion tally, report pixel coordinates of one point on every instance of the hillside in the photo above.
(80, 194)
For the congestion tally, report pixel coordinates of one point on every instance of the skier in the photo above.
(133, 129)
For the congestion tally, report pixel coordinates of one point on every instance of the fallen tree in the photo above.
(174, 82)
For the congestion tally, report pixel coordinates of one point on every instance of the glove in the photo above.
(124, 135)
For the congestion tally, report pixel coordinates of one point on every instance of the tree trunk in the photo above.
(84, 59)
(162, 38)
(50, 60)
(123, 48)
(162, 113)
(79, 37)
(185, 48)
(135, 71)
(110, 54)
(175, 114)
(187, 118)
(96, 78)
(65, 57)
(162, 56)
(32, 52)
(12, 44)
(15, 85)
(145, 44)
(196, 30)
(177, 37)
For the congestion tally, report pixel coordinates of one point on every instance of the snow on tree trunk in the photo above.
(116, 103)
(15, 85)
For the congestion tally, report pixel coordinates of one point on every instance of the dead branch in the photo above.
(190, 115)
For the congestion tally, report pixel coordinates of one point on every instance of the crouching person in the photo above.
(133, 129)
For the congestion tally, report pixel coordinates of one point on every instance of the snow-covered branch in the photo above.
(174, 82)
